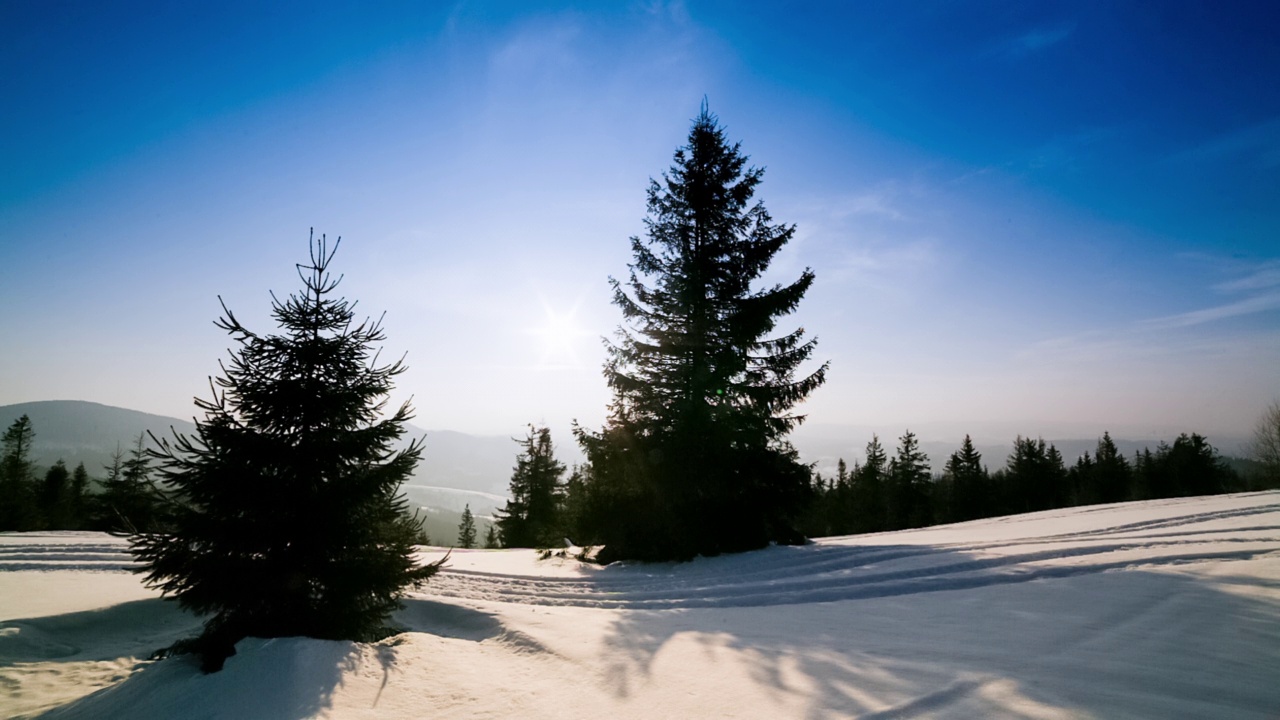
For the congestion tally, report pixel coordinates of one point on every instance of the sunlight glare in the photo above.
(558, 336)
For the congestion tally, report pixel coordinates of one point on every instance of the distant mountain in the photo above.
(77, 431)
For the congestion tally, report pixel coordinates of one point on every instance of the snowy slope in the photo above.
(1166, 609)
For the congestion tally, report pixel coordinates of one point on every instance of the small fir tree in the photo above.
(467, 529)
(531, 517)
(288, 518)
(491, 541)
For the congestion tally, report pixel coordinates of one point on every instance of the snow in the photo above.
(1163, 609)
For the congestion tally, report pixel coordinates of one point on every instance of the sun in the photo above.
(558, 337)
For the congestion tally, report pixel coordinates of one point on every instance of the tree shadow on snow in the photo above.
(880, 632)
(455, 621)
(267, 678)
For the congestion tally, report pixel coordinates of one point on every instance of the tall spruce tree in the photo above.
(531, 517)
(287, 517)
(693, 458)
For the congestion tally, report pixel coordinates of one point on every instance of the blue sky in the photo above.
(1038, 218)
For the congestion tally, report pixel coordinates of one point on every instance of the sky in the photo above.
(1040, 218)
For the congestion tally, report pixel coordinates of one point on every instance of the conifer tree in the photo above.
(54, 497)
(908, 496)
(531, 517)
(129, 498)
(1191, 466)
(1035, 477)
(1104, 478)
(467, 529)
(969, 482)
(578, 515)
(287, 518)
(869, 490)
(79, 503)
(693, 457)
(491, 541)
(18, 509)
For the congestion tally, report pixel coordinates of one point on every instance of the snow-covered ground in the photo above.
(1167, 609)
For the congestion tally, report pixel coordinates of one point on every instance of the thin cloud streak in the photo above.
(1262, 284)
(1248, 306)
(1261, 141)
(1035, 40)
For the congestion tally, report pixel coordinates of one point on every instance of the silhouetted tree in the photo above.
(18, 510)
(693, 457)
(1191, 466)
(1034, 477)
(491, 541)
(832, 508)
(968, 482)
(531, 517)
(578, 514)
(869, 491)
(130, 502)
(1103, 478)
(54, 497)
(908, 501)
(79, 501)
(287, 518)
(1144, 473)
(467, 529)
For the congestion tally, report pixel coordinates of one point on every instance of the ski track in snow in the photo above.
(833, 569)
(108, 555)
(830, 569)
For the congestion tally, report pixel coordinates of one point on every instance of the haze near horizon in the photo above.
(1049, 219)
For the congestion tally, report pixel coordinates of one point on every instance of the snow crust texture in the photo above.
(1164, 609)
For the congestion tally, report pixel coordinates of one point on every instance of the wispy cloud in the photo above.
(877, 202)
(1261, 140)
(1255, 289)
(1260, 285)
(1035, 40)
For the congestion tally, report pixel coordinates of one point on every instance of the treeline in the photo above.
(60, 499)
(551, 504)
(894, 493)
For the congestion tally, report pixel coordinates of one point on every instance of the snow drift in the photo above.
(1164, 609)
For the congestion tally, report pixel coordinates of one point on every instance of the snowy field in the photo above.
(1166, 609)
